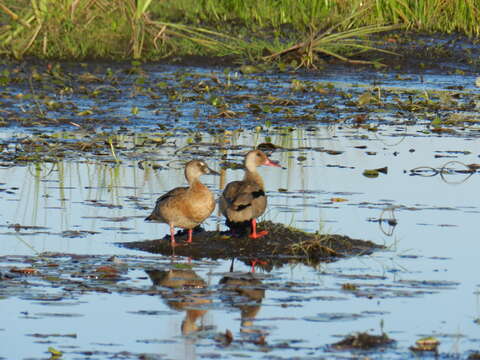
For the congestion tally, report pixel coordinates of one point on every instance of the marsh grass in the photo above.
(244, 29)
(116, 29)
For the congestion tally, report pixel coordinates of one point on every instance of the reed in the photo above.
(244, 29)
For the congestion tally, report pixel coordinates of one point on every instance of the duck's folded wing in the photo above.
(171, 194)
(241, 194)
(166, 198)
(231, 191)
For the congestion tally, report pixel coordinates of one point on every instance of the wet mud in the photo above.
(282, 245)
(363, 341)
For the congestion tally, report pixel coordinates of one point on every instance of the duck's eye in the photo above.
(258, 154)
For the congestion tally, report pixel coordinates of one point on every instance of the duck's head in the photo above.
(196, 168)
(256, 158)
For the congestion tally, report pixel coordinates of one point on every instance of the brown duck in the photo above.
(186, 207)
(243, 201)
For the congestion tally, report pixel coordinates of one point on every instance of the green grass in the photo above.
(255, 30)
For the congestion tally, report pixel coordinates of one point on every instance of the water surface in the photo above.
(423, 284)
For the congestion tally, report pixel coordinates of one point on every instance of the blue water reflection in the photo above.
(86, 207)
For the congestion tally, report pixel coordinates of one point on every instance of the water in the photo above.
(423, 284)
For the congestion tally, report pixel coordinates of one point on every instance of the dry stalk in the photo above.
(14, 16)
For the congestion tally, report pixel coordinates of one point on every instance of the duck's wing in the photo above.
(242, 194)
(165, 199)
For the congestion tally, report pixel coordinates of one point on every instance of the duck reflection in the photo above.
(245, 292)
(185, 291)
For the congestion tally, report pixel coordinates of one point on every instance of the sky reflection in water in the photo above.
(434, 240)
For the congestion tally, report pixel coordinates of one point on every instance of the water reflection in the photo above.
(387, 221)
(108, 200)
(245, 292)
(185, 291)
(87, 206)
(447, 171)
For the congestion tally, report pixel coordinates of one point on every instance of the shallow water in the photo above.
(424, 283)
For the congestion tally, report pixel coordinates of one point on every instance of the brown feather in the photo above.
(243, 201)
(186, 207)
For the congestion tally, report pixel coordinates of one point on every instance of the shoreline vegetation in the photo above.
(298, 33)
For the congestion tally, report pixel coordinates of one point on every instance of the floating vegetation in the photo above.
(426, 344)
(373, 173)
(190, 102)
(88, 147)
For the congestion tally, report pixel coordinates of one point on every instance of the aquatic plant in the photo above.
(99, 28)
(250, 29)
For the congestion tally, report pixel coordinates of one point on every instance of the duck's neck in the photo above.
(195, 184)
(254, 176)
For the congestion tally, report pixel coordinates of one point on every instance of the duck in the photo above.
(186, 207)
(242, 202)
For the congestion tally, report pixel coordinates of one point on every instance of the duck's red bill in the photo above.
(269, 162)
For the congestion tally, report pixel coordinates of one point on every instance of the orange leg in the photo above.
(255, 262)
(254, 234)
(190, 235)
(172, 236)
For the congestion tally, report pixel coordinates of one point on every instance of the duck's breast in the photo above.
(200, 203)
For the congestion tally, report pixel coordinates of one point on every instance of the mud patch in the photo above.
(362, 341)
(282, 245)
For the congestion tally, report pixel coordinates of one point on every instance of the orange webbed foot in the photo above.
(257, 235)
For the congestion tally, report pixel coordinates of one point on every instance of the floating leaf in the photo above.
(55, 353)
(429, 343)
(106, 270)
(371, 173)
(24, 271)
(334, 152)
(349, 287)
(248, 69)
(85, 113)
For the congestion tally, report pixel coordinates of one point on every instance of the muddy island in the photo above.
(282, 245)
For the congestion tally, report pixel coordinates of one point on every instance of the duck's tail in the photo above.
(151, 217)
